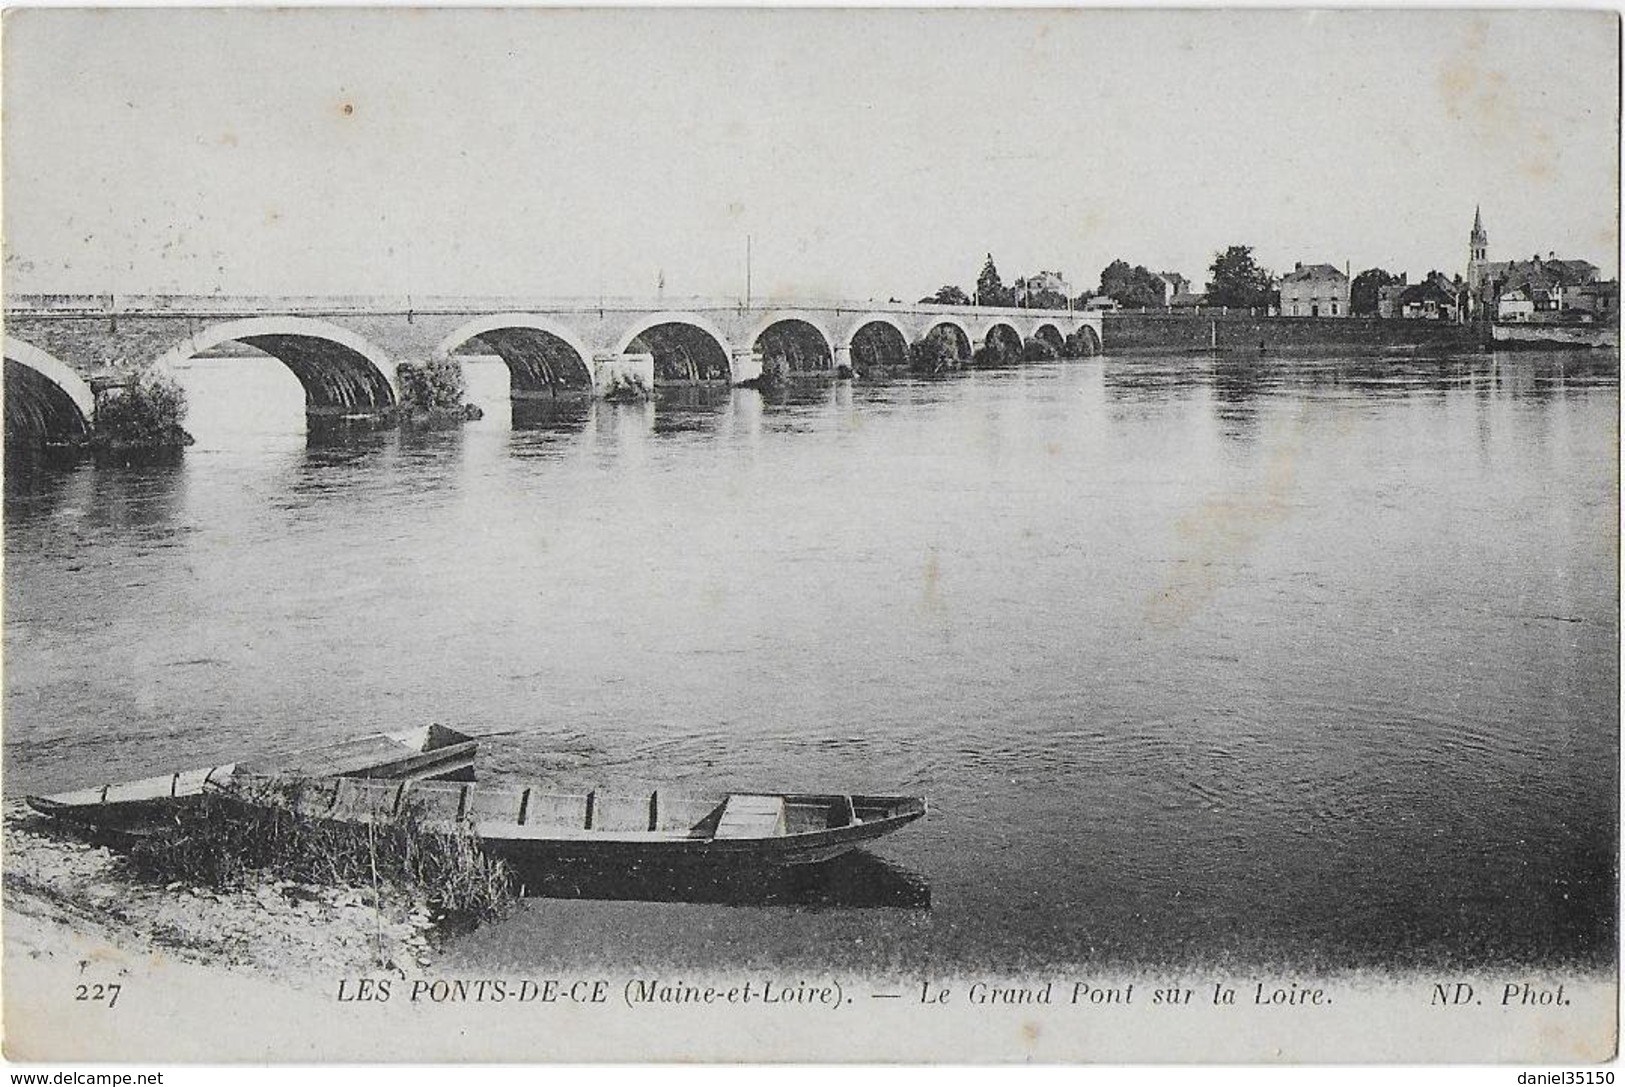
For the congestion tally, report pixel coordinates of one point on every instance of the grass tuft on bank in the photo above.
(229, 838)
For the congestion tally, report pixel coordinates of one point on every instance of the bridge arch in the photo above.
(1050, 334)
(995, 324)
(544, 358)
(685, 346)
(1045, 343)
(59, 376)
(778, 317)
(887, 320)
(941, 321)
(954, 335)
(791, 343)
(341, 372)
(1001, 344)
(1084, 341)
(878, 342)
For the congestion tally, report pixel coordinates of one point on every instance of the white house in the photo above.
(1314, 290)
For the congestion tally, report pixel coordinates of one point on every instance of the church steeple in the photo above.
(1478, 248)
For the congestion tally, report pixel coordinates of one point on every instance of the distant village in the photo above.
(1549, 289)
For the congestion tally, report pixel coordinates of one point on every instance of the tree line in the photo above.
(1364, 287)
(1236, 279)
(991, 291)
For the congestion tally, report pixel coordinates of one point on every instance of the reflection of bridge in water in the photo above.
(345, 351)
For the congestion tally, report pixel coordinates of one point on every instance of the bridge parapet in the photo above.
(401, 305)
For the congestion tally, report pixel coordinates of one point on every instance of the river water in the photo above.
(1308, 663)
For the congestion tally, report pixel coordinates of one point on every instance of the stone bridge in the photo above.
(344, 351)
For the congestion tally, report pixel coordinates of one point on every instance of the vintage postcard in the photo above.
(555, 535)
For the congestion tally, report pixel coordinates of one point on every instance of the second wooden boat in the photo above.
(434, 751)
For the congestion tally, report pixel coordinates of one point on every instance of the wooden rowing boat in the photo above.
(428, 774)
(620, 829)
(434, 751)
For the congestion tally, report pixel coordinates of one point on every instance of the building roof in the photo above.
(1540, 272)
(1043, 280)
(1313, 271)
(1578, 271)
(1425, 290)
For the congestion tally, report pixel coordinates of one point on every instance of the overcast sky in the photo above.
(868, 153)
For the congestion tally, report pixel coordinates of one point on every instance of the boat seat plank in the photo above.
(497, 803)
(615, 813)
(556, 810)
(746, 816)
(679, 812)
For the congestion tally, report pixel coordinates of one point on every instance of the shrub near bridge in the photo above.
(143, 415)
(433, 394)
(932, 356)
(1037, 350)
(1078, 345)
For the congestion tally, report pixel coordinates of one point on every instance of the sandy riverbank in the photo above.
(57, 883)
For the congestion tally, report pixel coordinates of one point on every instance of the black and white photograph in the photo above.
(767, 535)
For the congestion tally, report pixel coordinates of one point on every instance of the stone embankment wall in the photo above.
(1544, 335)
(1128, 333)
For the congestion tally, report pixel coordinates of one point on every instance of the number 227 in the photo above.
(108, 992)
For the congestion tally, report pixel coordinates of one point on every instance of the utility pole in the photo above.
(747, 271)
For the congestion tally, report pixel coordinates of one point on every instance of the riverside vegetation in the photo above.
(433, 395)
(143, 417)
(242, 878)
(243, 832)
